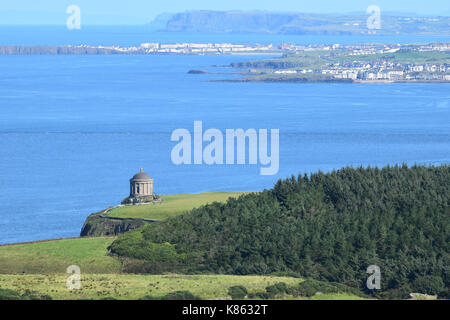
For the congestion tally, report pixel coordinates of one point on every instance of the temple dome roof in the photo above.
(141, 176)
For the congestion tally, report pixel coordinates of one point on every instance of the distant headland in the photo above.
(300, 23)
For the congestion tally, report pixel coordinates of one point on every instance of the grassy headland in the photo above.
(172, 205)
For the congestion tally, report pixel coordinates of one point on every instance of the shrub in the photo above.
(277, 288)
(237, 292)
(180, 295)
(8, 294)
(310, 287)
(258, 295)
(306, 289)
(429, 285)
(399, 293)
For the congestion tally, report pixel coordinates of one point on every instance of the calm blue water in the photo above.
(74, 129)
(135, 35)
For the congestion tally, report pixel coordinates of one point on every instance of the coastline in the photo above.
(330, 80)
(135, 50)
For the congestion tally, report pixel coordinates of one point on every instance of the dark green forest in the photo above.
(323, 226)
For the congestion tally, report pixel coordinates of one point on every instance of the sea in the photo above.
(75, 129)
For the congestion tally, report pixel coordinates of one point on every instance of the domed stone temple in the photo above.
(141, 189)
(141, 185)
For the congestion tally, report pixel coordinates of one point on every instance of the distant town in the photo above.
(383, 65)
(354, 63)
(318, 62)
(147, 48)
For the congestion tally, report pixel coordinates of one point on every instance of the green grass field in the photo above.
(90, 254)
(40, 267)
(137, 286)
(172, 205)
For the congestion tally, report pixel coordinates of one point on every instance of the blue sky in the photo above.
(143, 11)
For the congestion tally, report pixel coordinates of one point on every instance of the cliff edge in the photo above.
(99, 224)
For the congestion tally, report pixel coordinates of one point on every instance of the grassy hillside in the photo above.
(172, 205)
(137, 286)
(90, 254)
(328, 227)
(38, 269)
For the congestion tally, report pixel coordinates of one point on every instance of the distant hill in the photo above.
(160, 21)
(298, 23)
